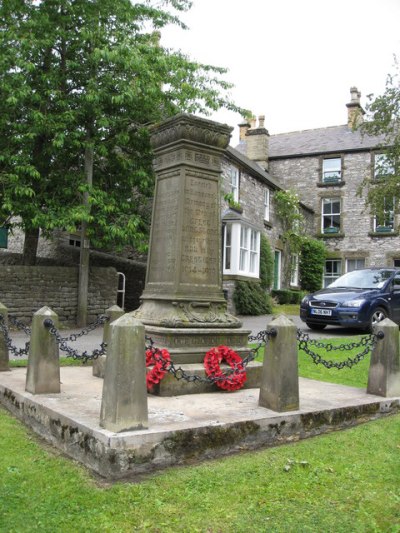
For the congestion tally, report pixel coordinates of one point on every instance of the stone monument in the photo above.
(183, 305)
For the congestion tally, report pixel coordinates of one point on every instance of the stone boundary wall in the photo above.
(25, 289)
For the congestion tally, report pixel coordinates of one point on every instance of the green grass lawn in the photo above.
(346, 481)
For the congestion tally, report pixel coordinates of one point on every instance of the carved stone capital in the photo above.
(188, 128)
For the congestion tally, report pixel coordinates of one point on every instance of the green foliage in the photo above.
(287, 296)
(274, 489)
(311, 264)
(251, 299)
(79, 84)
(383, 119)
(266, 263)
(288, 210)
(232, 203)
(292, 221)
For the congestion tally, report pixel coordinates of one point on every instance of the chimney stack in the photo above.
(243, 127)
(257, 142)
(354, 110)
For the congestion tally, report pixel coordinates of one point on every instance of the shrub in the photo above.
(286, 296)
(266, 263)
(311, 265)
(251, 299)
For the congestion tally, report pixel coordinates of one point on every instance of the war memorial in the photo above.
(105, 417)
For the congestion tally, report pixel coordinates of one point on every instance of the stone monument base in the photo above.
(189, 345)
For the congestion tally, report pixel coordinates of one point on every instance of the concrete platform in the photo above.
(182, 429)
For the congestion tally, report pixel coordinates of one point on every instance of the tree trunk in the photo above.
(85, 245)
(31, 242)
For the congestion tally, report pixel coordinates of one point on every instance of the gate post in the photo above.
(124, 399)
(43, 375)
(114, 312)
(279, 389)
(384, 369)
(4, 357)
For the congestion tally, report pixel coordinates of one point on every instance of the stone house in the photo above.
(248, 211)
(326, 167)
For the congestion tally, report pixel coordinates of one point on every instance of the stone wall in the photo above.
(24, 290)
(357, 239)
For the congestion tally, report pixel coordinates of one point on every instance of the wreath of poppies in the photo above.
(160, 360)
(212, 362)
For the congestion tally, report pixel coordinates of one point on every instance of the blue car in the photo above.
(359, 299)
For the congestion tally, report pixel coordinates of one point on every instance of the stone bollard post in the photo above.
(279, 389)
(124, 401)
(43, 375)
(114, 312)
(4, 358)
(384, 369)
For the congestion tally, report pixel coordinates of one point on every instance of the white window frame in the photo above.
(242, 252)
(329, 278)
(359, 263)
(267, 203)
(294, 270)
(234, 183)
(331, 169)
(388, 217)
(330, 215)
(381, 163)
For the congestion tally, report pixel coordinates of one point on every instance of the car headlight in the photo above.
(305, 300)
(353, 303)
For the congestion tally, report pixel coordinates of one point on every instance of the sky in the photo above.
(293, 61)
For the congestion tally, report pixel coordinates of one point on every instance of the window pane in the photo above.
(333, 269)
(331, 169)
(228, 246)
(355, 264)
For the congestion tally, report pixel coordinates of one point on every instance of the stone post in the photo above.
(384, 369)
(114, 312)
(43, 375)
(124, 400)
(279, 389)
(4, 359)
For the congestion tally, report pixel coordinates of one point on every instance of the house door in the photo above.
(277, 269)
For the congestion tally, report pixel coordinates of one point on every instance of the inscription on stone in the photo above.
(165, 219)
(200, 232)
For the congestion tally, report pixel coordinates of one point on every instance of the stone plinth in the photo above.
(183, 306)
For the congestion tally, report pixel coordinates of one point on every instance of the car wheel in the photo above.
(316, 327)
(377, 316)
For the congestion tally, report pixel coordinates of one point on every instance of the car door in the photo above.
(395, 299)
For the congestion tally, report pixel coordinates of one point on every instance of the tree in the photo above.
(80, 81)
(383, 121)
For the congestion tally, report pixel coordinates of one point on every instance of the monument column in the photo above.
(183, 306)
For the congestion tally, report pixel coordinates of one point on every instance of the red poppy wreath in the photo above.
(212, 362)
(160, 359)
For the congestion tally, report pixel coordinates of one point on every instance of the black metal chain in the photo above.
(62, 344)
(13, 349)
(368, 342)
(100, 320)
(262, 338)
(238, 368)
(20, 325)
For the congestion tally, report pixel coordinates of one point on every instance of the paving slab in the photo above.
(182, 429)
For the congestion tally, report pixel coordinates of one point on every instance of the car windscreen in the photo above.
(363, 279)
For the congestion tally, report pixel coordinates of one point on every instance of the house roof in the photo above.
(253, 168)
(333, 139)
